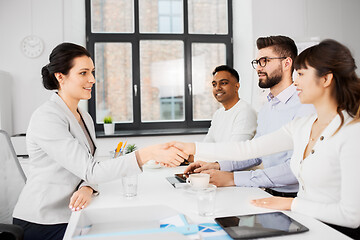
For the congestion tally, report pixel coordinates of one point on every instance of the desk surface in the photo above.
(154, 189)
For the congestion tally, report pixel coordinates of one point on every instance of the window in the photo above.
(154, 58)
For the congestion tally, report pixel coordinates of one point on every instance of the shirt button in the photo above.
(321, 138)
(312, 151)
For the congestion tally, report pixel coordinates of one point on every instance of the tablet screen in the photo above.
(260, 225)
(181, 177)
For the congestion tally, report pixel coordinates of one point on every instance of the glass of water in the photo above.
(130, 186)
(206, 200)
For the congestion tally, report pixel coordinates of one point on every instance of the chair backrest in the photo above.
(12, 178)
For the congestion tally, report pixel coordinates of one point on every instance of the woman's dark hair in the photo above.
(61, 60)
(330, 56)
(228, 69)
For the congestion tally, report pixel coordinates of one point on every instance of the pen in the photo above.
(118, 149)
(122, 150)
(114, 153)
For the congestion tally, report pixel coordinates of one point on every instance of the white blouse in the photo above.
(327, 177)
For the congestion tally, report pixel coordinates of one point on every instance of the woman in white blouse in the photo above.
(326, 151)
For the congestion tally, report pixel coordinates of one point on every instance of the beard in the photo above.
(272, 80)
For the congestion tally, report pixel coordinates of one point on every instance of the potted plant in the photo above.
(130, 148)
(109, 126)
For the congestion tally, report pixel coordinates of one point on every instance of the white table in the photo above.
(154, 189)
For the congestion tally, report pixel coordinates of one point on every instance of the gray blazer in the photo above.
(60, 160)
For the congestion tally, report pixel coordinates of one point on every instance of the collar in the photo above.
(334, 124)
(284, 96)
(57, 99)
(233, 107)
(73, 122)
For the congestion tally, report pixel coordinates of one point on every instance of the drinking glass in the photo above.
(130, 186)
(206, 200)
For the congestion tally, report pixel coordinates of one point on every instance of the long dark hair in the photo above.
(61, 60)
(330, 56)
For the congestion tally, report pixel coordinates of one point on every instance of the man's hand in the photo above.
(188, 148)
(165, 154)
(279, 203)
(81, 198)
(220, 178)
(191, 159)
(200, 166)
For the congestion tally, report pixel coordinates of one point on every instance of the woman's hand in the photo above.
(165, 154)
(279, 203)
(81, 198)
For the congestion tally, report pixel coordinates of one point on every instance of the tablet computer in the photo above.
(181, 177)
(260, 225)
(178, 178)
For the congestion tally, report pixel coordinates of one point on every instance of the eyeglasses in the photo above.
(262, 61)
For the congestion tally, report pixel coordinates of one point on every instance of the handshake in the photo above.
(169, 154)
(172, 154)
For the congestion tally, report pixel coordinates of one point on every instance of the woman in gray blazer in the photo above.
(61, 145)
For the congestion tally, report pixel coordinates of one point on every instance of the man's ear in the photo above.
(237, 85)
(327, 79)
(288, 62)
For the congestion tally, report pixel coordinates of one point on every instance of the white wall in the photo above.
(56, 21)
(302, 20)
(306, 19)
(243, 44)
(5, 102)
(54, 26)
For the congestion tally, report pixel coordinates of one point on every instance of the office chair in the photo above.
(12, 181)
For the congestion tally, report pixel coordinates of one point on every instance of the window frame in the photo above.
(134, 39)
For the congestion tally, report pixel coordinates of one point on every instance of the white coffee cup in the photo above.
(198, 180)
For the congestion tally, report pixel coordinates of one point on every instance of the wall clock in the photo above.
(32, 46)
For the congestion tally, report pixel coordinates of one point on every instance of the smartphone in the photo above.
(181, 177)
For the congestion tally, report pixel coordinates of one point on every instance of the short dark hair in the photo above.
(228, 69)
(282, 45)
(61, 60)
(330, 56)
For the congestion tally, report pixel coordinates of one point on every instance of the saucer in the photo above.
(151, 164)
(188, 188)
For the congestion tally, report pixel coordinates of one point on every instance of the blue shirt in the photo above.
(276, 174)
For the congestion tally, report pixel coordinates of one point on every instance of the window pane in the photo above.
(162, 80)
(113, 82)
(208, 16)
(164, 24)
(177, 24)
(164, 7)
(176, 7)
(205, 57)
(112, 16)
(161, 16)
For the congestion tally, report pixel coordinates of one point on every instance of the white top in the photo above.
(235, 124)
(60, 160)
(276, 112)
(328, 177)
